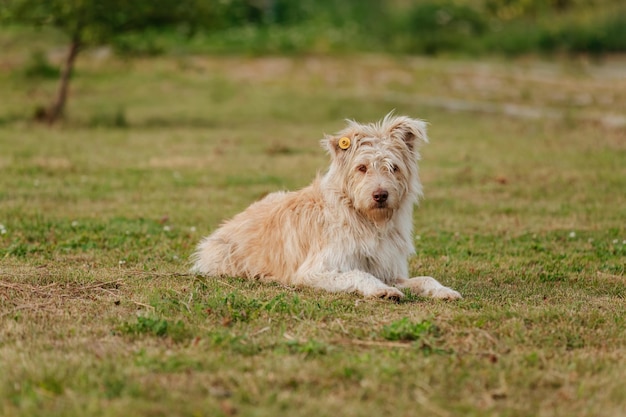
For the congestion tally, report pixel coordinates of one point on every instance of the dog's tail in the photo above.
(212, 257)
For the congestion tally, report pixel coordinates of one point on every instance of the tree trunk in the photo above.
(55, 111)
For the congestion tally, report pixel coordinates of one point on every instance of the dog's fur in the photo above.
(350, 230)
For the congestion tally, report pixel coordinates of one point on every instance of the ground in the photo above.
(524, 214)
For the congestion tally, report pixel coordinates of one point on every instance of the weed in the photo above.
(308, 348)
(152, 326)
(405, 330)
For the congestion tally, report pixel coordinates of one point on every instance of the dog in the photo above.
(349, 231)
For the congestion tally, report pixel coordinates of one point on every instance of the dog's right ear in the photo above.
(337, 145)
(344, 141)
(327, 143)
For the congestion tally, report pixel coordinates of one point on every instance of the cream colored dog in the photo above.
(350, 231)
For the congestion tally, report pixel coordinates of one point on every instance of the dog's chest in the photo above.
(379, 257)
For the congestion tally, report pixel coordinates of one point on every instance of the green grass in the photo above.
(525, 217)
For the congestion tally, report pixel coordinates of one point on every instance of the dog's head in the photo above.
(374, 165)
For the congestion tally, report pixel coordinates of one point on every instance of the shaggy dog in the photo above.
(349, 231)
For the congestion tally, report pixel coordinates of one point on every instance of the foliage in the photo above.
(597, 39)
(433, 27)
(98, 21)
(284, 26)
(512, 9)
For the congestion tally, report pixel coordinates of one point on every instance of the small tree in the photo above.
(92, 22)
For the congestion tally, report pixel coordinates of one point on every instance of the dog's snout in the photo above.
(380, 196)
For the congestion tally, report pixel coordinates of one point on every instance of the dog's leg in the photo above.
(352, 281)
(428, 287)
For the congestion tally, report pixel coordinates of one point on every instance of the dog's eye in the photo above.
(394, 168)
(362, 168)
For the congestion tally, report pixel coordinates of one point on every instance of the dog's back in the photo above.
(260, 242)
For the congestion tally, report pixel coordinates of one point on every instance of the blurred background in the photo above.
(428, 27)
(41, 40)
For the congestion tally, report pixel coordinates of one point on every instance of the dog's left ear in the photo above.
(410, 131)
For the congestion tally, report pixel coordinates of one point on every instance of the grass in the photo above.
(524, 216)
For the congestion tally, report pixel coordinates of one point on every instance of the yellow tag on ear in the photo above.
(344, 142)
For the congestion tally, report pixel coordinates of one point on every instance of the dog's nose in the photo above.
(380, 196)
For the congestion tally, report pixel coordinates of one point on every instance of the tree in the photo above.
(92, 22)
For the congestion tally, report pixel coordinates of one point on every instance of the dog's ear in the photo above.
(330, 143)
(410, 131)
(340, 143)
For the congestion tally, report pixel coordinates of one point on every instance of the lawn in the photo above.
(524, 214)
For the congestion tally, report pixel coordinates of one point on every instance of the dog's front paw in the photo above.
(444, 293)
(388, 293)
(429, 287)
